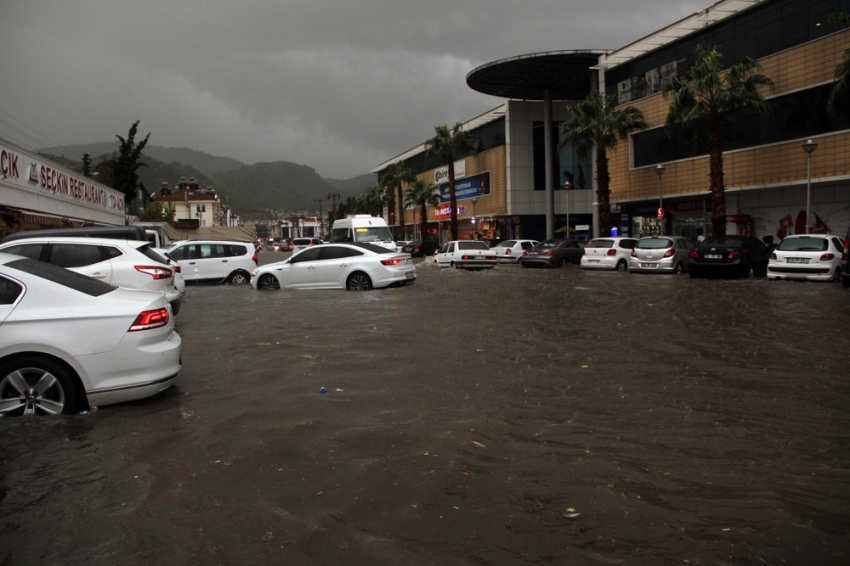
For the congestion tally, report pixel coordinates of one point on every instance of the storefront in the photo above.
(37, 193)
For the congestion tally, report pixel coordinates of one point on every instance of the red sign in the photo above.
(661, 212)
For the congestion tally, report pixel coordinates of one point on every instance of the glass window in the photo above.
(373, 234)
(654, 244)
(9, 291)
(310, 254)
(32, 251)
(337, 252)
(74, 255)
(110, 252)
(599, 243)
(803, 244)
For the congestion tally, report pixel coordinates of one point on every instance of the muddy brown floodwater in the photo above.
(502, 417)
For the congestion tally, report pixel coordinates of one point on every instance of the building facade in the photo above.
(36, 193)
(502, 184)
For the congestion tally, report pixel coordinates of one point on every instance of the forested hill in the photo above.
(251, 190)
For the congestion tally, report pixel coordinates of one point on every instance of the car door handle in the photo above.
(98, 275)
(224, 261)
(191, 263)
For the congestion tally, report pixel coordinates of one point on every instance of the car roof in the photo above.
(78, 239)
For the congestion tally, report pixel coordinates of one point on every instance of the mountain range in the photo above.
(254, 192)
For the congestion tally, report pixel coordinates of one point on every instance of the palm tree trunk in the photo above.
(401, 213)
(717, 188)
(603, 191)
(423, 212)
(453, 197)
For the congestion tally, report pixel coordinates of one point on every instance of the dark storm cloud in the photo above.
(339, 86)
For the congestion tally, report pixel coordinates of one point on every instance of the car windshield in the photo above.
(654, 244)
(804, 244)
(723, 241)
(474, 245)
(373, 234)
(66, 277)
(600, 243)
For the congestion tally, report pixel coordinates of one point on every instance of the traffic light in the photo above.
(87, 165)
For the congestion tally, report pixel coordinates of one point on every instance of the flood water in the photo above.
(510, 416)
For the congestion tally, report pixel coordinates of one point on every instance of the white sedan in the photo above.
(812, 257)
(69, 342)
(511, 251)
(466, 254)
(608, 253)
(353, 266)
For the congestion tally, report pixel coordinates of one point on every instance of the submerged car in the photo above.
(661, 254)
(728, 255)
(466, 254)
(554, 253)
(608, 253)
(133, 264)
(353, 266)
(420, 248)
(511, 251)
(69, 342)
(812, 257)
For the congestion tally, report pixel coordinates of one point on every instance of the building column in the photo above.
(549, 160)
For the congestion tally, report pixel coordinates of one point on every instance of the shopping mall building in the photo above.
(512, 184)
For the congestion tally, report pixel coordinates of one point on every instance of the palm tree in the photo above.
(842, 70)
(421, 194)
(125, 163)
(449, 144)
(702, 104)
(392, 181)
(597, 122)
(370, 201)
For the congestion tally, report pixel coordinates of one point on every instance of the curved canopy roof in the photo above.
(566, 74)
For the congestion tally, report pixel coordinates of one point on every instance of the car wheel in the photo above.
(35, 386)
(238, 278)
(679, 268)
(562, 262)
(358, 282)
(622, 266)
(836, 276)
(268, 281)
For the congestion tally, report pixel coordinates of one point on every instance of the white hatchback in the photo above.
(608, 253)
(124, 263)
(69, 342)
(812, 257)
(352, 266)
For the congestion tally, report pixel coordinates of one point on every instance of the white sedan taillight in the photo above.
(155, 272)
(150, 319)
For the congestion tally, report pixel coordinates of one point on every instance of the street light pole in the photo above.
(321, 219)
(474, 226)
(809, 147)
(660, 171)
(567, 186)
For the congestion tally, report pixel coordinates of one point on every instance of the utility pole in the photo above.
(321, 219)
(333, 197)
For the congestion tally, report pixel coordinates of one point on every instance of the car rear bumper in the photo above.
(812, 273)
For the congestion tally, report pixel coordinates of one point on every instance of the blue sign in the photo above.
(477, 185)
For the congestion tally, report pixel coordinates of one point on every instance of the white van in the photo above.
(363, 228)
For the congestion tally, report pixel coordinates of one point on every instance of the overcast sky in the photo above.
(339, 85)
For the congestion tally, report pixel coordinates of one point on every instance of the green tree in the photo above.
(449, 144)
(422, 195)
(157, 212)
(370, 201)
(702, 104)
(124, 164)
(393, 180)
(597, 122)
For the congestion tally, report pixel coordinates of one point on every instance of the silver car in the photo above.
(661, 254)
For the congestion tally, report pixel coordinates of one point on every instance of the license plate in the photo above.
(533, 253)
(797, 260)
(593, 261)
(713, 256)
(648, 265)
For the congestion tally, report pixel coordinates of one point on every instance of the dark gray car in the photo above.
(554, 253)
